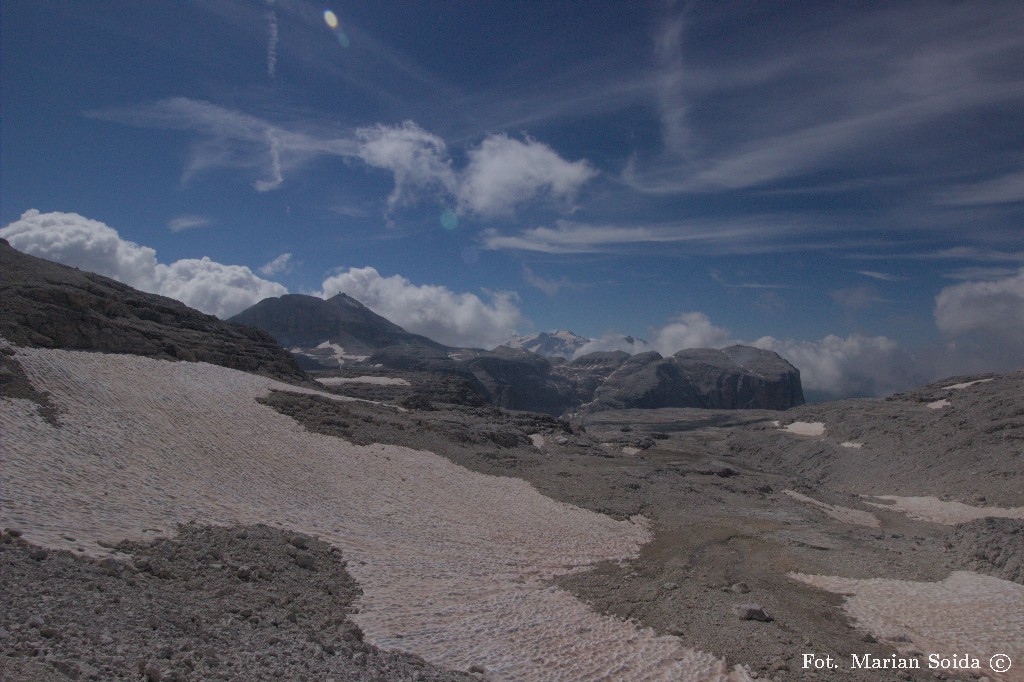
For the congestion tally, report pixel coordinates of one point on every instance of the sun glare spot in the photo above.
(331, 18)
(449, 220)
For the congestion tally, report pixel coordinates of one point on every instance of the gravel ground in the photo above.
(213, 603)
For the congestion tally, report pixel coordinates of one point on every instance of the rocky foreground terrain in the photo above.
(180, 520)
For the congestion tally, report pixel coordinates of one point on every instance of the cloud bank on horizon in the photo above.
(838, 182)
(978, 321)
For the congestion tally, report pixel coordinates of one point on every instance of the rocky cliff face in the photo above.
(521, 380)
(46, 305)
(741, 377)
(738, 377)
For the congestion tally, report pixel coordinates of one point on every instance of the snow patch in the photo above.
(949, 513)
(966, 613)
(806, 428)
(380, 381)
(537, 440)
(939, 404)
(455, 566)
(968, 383)
(851, 444)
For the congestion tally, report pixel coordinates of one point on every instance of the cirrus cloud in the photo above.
(80, 242)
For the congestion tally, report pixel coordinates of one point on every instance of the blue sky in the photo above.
(840, 182)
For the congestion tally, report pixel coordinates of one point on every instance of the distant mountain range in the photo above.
(559, 343)
(47, 305)
(529, 372)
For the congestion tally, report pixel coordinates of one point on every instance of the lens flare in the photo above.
(331, 18)
(449, 220)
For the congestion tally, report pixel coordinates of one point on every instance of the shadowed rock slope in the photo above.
(308, 325)
(47, 305)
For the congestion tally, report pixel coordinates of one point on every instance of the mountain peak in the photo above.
(557, 343)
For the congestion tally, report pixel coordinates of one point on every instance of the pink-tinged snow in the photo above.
(966, 613)
(379, 381)
(805, 428)
(948, 512)
(455, 566)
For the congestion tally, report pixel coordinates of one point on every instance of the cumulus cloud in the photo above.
(74, 240)
(417, 159)
(456, 319)
(690, 330)
(501, 175)
(857, 365)
(282, 263)
(984, 320)
(91, 245)
(504, 173)
(214, 288)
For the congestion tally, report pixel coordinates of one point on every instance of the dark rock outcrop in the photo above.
(521, 380)
(47, 305)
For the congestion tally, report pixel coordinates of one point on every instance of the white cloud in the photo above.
(282, 263)
(612, 341)
(1006, 189)
(690, 330)
(456, 319)
(739, 236)
(984, 321)
(882, 276)
(215, 288)
(858, 365)
(187, 222)
(74, 240)
(417, 159)
(77, 241)
(272, 37)
(504, 173)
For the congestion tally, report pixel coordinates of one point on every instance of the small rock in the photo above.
(739, 588)
(13, 532)
(38, 554)
(299, 542)
(869, 638)
(669, 586)
(303, 560)
(477, 669)
(751, 612)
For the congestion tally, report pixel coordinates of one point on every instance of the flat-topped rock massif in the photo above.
(737, 377)
(47, 305)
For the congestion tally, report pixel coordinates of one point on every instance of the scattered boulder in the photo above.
(751, 612)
